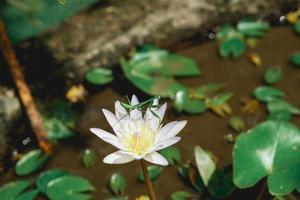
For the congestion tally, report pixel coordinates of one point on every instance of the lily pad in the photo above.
(117, 184)
(270, 150)
(47, 176)
(15, 191)
(89, 158)
(30, 162)
(56, 129)
(172, 154)
(279, 109)
(297, 26)
(253, 28)
(273, 75)
(181, 195)
(184, 103)
(232, 47)
(295, 59)
(154, 172)
(69, 187)
(267, 94)
(99, 76)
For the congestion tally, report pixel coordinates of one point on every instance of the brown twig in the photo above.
(23, 90)
(148, 181)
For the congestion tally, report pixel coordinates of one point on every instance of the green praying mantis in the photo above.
(141, 106)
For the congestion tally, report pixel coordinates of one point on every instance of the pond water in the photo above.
(207, 130)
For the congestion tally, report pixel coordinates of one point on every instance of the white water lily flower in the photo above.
(137, 136)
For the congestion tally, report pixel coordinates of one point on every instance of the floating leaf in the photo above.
(297, 26)
(172, 154)
(253, 28)
(267, 94)
(154, 172)
(237, 123)
(295, 59)
(15, 191)
(207, 90)
(30, 162)
(280, 115)
(89, 158)
(181, 195)
(218, 104)
(57, 130)
(184, 103)
(76, 93)
(69, 187)
(255, 59)
(250, 106)
(281, 110)
(224, 31)
(99, 76)
(117, 184)
(218, 183)
(269, 150)
(232, 47)
(47, 176)
(273, 75)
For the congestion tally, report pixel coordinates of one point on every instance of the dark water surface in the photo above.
(207, 130)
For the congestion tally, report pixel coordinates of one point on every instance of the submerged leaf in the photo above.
(272, 150)
(56, 129)
(117, 184)
(30, 162)
(273, 75)
(154, 172)
(89, 158)
(69, 187)
(172, 154)
(99, 76)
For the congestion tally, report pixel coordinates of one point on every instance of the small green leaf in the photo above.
(69, 187)
(30, 162)
(89, 158)
(224, 31)
(99, 76)
(30, 195)
(280, 108)
(295, 59)
(184, 103)
(56, 129)
(267, 94)
(271, 150)
(273, 75)
(47, 176)
(117, 184)
(232, 47)
(297, 26)
(252, 28)
(181, 195)
(172, 154)
(237, 123)
(280, 115)
(61, 110)
(12, 190)
(207, 90)
(154, 172)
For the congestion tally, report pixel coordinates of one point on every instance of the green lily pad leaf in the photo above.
(89, 158)
(69, 187)
(206, 166)
(99, 76)
(295, 59)
(172, 154)
(236, 123)
(297, 26)
(207, 90)
(30, 195)
(56, 129)
(280, 115)
(30, 162)
(253, 28)
(224, 31)
(13, 190)
(181, 195)
(117, 184)
(273, 75)
(62, 111)
(154, 172)
(267, 94)
(218, 183)
(271, 150)
(47, 176)
(279, 109)
(232, 47)
(184, 103)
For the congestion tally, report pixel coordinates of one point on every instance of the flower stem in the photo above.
(148, 181)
